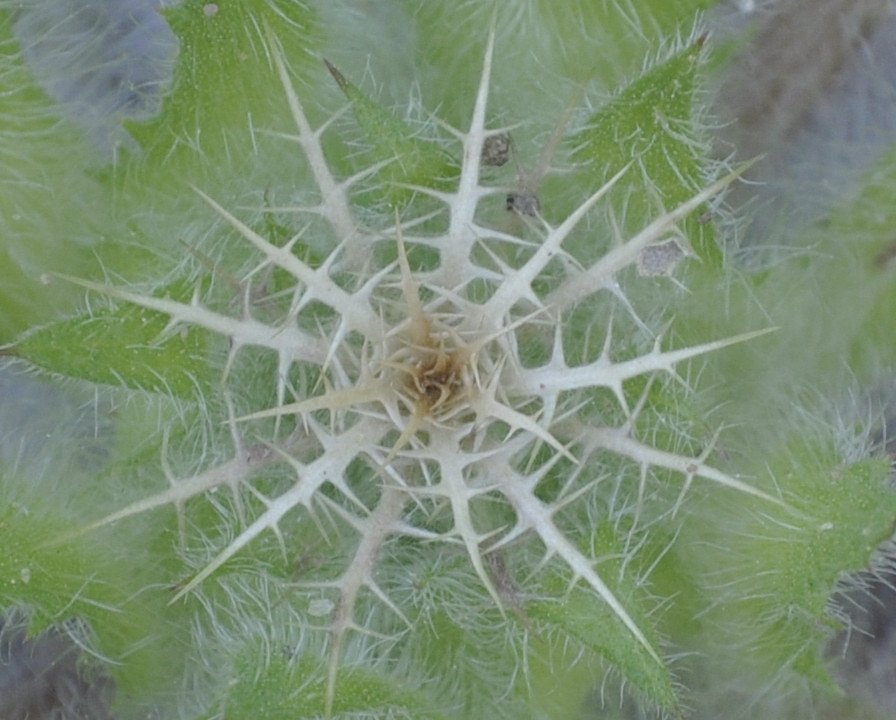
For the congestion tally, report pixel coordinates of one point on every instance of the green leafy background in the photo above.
(743, 586)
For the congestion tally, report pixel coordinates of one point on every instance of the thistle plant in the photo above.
(412, 427)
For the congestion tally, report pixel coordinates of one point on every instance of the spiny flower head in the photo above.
(427, 386)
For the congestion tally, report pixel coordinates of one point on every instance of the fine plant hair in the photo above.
(444, 410)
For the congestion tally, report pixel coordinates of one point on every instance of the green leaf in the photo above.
(796, 557)
(855, 509)
(223, 85)
(114, 587)
(295, 688)
(125, 346)
(410, 160)
(653, 122)
(592, 623)
(852, 511)
(51, 207)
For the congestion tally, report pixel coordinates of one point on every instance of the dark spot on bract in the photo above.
(496, 150)
(523, 203)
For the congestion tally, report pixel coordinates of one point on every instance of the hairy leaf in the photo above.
(124, 346)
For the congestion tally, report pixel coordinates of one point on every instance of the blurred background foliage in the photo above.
(110, 111)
